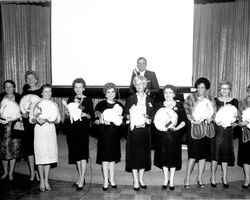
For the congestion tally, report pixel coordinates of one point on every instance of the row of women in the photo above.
(207, 140)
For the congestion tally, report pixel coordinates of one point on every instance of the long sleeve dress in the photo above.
(27, 141)
(222, 149)
(10, 147)
(45, 143)
(199, 135)
(138, 145)
(108, 144)
(78, 133)
(168, 146)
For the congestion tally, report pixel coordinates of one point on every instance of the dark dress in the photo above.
(27, 141)
(10, 147)
(108, 145)
(138, 145)
(168, 146)
(198, 135)
(222, 149)
(244, 140)
(78, 133)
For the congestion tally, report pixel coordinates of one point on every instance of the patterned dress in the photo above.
(199, 135)
(10, 148)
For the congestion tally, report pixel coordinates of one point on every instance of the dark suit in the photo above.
(152, 86)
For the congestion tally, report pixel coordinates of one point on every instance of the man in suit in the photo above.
(153, 85)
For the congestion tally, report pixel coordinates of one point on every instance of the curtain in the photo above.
(221, 47)
(26, 42)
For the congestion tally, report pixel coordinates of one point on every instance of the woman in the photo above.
(31, 87)
(9, 146)
(78, 137)
(222, 149)
(168, 150)
(244, 142)
(45, 142)
(108, 145)
(201, 132)
(138, 146)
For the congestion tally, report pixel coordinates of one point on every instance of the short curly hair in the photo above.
(140, 78)
(34, 73)
(108, 86)
(225, 82)
(79, 80)
(9, 81)
(173, 88)
(203, 80)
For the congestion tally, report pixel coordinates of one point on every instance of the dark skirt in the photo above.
(78, 142)
(108, 145)
(243, 152)
(138, 149)
(27, 141)
(199, 149)
(222, 149)
(168, 150)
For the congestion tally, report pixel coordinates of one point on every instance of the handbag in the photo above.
(17, 131)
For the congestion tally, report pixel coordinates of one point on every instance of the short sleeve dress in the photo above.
(108, 144)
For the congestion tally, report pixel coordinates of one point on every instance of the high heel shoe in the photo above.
(143, 186)
(213, 184)
(225, 185)
(164, 187)
(186, 186)
(201, 185)
(113, 186)
(105, 188)
(245, 186)
(136, 188)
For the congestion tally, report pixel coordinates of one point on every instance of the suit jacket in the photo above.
(152, 86)
(132, 100)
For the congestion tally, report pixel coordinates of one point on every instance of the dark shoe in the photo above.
(245, 186)
(164, 187)
(79, 188)
(136, 189)
(74, 185)
(201, 185)
(104, 188)
(225, 185)
(171, 187)
(187, 187)
(213, 185)
(113, 186)
(143, 186)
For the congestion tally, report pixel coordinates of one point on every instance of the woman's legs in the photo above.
(78, 166)
(12, 166)
(105, 171)
(201, 167)
(213, 171)
(246, 169)
(190, 166)
(135, 177)
(172, 171)
(83, 164)
(141, 173)
(46, 176)
(5, 168)
(41, 174)
(111, 172)
(224, 172)
(165, 173)
(31, 164)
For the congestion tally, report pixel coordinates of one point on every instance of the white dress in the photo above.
(45, 144)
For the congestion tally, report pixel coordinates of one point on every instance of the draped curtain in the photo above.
(26, 42)
(221, 47)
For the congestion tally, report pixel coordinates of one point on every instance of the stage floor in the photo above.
(66, 172)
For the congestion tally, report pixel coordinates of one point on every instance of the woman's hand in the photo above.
(245, 123)
(147, 120)
(40, 121)
(3, 121)
(85, 115)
